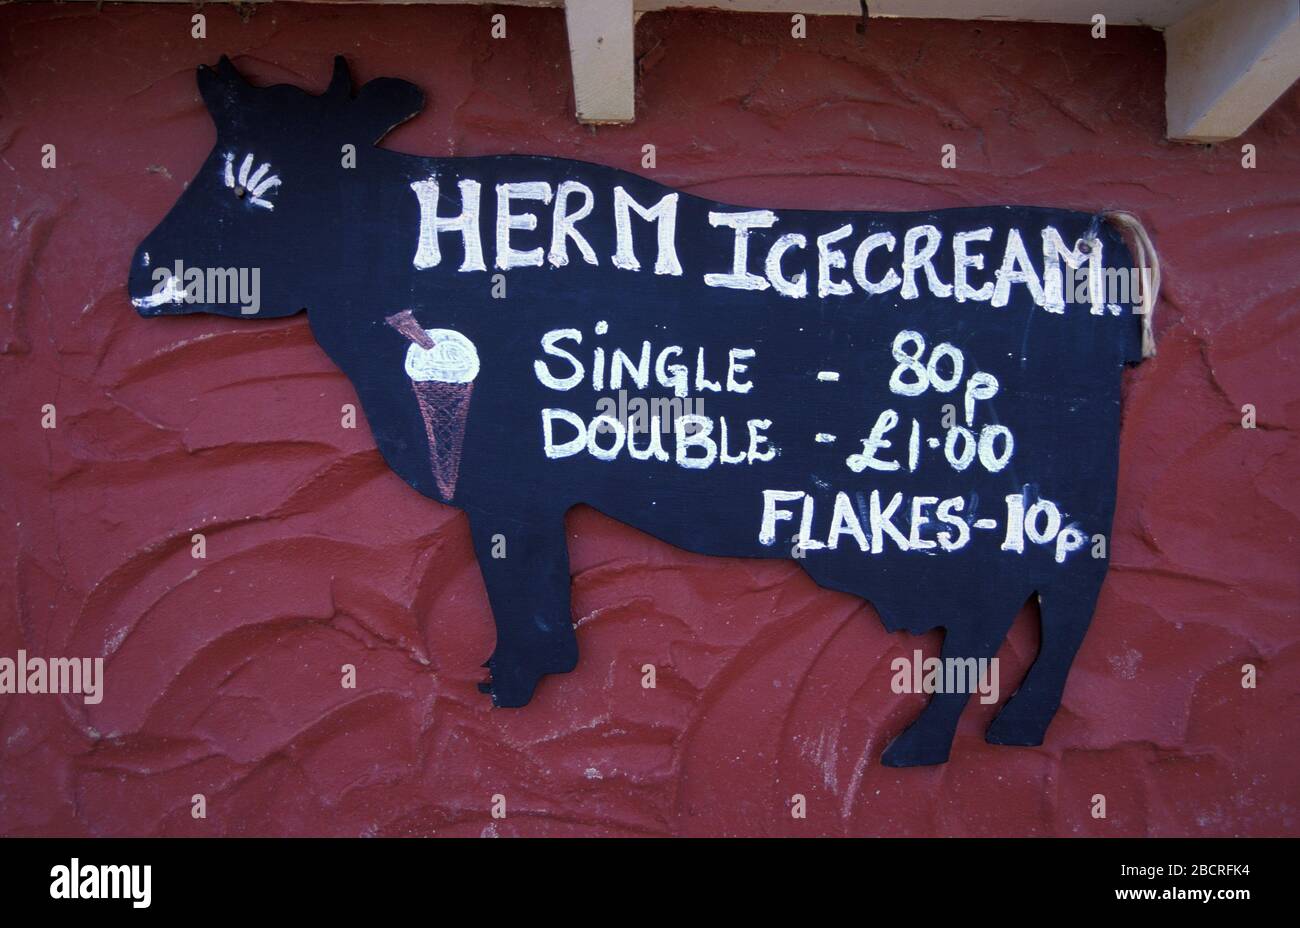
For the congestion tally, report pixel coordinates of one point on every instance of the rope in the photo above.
(1148, 263)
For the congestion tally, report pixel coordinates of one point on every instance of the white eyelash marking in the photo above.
(255, 185)
(266, 185)
(256, 179)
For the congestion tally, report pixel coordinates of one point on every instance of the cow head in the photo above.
(237, 241)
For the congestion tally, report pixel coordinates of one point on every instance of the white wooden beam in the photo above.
(1154, 13)
(1226, 63)
(601, 53)
(1226, 60)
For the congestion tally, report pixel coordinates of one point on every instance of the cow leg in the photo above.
(1066, 614)
(528, 587)
(928, 739)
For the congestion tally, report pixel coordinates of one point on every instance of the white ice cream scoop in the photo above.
(452, 359)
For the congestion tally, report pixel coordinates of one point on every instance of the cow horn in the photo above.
(341, 83)
(227, 71)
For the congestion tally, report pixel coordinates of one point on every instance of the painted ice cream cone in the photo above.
(442, 365)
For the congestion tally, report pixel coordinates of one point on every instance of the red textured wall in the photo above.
(223, 674)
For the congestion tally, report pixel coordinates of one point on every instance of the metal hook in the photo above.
(1085, 244)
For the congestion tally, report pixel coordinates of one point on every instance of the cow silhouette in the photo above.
(933, 432)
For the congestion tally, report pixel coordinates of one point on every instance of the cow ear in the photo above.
(219, 87)
(340, 87)
(385, 102)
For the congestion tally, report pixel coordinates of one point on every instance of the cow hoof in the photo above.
(1023, 733)
(511, 684)
(912, 749)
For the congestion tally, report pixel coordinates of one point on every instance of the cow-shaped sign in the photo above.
(921, 409)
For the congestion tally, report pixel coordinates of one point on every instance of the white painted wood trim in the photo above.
(1226, 63)
(601, 53)
(1155, 13)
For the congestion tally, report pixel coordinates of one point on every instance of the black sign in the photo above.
(921, 408)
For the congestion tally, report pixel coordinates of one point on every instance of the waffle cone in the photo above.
(445, 410)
